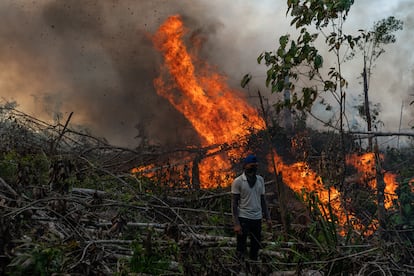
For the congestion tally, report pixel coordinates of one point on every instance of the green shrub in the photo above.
(39, 260)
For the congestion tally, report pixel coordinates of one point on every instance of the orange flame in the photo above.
(300, 177)
(219, 114)
(147, 170)
(365, 165)
(391, 186)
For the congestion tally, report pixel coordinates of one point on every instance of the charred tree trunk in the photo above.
(195, 173)
(366, 105)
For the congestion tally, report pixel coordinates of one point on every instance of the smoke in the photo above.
(96, 58)
(392, 82)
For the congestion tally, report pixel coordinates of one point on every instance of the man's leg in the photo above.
(255, 238)
(242, 238)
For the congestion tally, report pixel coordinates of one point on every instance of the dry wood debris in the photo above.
(91, 216)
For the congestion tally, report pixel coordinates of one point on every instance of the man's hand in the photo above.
(237, 229)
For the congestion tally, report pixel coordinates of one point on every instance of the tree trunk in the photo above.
(366, 105)
(196, 173)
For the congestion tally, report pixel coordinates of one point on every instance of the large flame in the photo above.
(218, 114)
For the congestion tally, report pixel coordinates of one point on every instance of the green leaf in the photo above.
(280, 85)
(269, 77)
(283, 40)
(260, 58)
(318, 61)
(307, 37)
(246, 79)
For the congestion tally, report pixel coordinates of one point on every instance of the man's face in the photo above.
(250, 169)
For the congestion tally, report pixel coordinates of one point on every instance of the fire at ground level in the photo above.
(216, 167)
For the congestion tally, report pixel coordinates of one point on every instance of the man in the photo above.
(248, 207)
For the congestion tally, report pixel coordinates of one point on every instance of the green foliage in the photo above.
(382, 33)
(30, 169)
(299, 58)
(401, 159)
(40, 260)
(306, 12)
(323, 230)
(9, 163)
(37, 168)
(300, 53)
(152, 257)
(147, 263)
(371, 42)
(403, 220)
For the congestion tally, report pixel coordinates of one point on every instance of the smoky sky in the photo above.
(95, 58)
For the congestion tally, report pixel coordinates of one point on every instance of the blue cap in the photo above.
(250, 159)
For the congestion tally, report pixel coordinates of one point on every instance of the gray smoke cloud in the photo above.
(392, 82)
(95, 58)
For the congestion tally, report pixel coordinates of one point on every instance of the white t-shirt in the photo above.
(250, 205)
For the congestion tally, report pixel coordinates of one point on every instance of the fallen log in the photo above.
(86, 191)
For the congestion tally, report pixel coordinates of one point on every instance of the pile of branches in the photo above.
(70, 205)
(94, 232)
(90, 232)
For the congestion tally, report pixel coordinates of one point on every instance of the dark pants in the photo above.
(253, 229)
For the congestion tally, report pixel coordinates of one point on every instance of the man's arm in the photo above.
(235, 208)
(264, 208)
